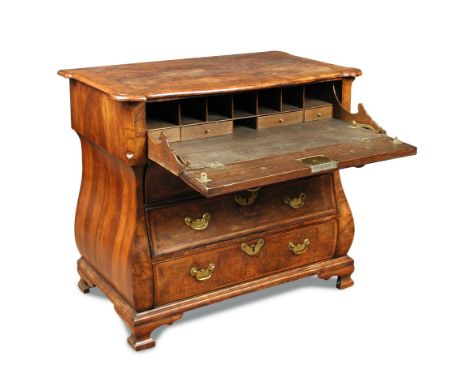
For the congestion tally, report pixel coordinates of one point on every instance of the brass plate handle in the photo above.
(295, 202)
(253, 249)
(247, 199)
(299, 249)
(204, 273)
(198, 224)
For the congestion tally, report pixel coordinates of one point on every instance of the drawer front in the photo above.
(203, 221)
(160, 184)
(280, 119)
(201, 272)
(205, 130)
(318, 113)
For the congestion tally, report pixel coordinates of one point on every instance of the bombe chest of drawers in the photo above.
(204, 179)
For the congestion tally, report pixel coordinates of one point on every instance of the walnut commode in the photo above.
(204, 179)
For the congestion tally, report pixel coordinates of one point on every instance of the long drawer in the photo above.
(242, 260)
(203, 221)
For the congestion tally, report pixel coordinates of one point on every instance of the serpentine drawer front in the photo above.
(204, 179)
(176, 279)
(198, 222)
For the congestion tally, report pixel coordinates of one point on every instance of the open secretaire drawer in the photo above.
(225, 143)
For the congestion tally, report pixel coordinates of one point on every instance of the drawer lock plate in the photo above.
(253, 249)
(319, 163)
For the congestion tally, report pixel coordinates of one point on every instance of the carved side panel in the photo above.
(345, 218)
(109, 226)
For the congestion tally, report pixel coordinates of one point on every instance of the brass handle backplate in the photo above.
(248, 198)
(198, 224)
(299, 249)
(295, 202)
(204, 273)
(253, 249)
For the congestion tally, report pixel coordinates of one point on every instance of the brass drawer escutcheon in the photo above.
(247, 199)
(299, 249)
(295, 202)
(198, 224)
(253, 249)
(204, 273)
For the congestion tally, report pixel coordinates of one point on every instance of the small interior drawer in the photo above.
(279, 119)
(318, 113)
(242, 260)
(199, 222)
(205, 130)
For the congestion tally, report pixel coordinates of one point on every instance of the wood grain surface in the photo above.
(110, 228)
(253, 158)
(207, 75)
(118, 127)
(169, 232)
(232, 265)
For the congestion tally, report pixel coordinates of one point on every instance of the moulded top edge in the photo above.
(206, 75)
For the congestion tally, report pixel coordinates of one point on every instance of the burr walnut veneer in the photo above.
(204, 179)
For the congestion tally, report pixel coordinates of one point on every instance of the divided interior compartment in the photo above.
(321, 91)
(251, 104)
(292, 98)
(250, 123)
(245, 104)
(201, 116)
(269, 101)
(219, 107)
(193, 110)
(162, 114)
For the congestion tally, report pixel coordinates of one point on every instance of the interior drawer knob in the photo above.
(198, 224)
(299, 249)
(253, 249)
(295, 202)
(247, 198)
(204, 273)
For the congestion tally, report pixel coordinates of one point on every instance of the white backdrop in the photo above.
(405, 316)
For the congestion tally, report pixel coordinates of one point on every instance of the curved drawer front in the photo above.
(203, 221)
(242, 260)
